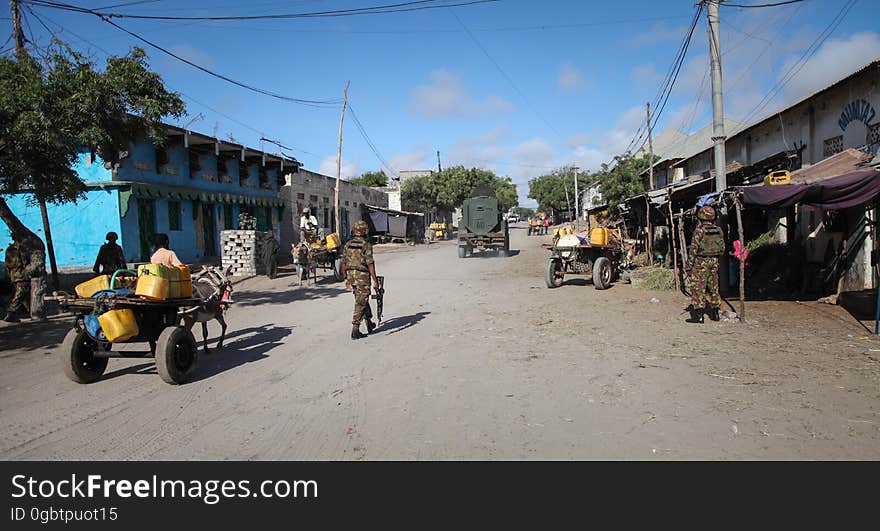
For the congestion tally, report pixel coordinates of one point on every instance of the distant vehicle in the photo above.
(513, 218)
(482, 226)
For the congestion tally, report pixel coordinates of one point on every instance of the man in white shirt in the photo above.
(308, 225)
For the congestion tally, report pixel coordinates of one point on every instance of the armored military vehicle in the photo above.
(482, 226)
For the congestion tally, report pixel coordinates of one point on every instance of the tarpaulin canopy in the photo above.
(844, 191)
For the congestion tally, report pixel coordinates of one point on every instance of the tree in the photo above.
(447, 189)
(372, 178)
(51, 110)
(622, 181)
(524, 212)
(555, 191)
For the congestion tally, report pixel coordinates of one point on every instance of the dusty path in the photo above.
(476, 360)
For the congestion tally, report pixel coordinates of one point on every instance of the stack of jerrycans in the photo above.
(158, 282)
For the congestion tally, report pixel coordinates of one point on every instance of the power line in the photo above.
(372, 10)
(797, 65)
(373, 148)
(188, 97)
(312, 103)
(667, 86)
(761, 5)
(504, 74)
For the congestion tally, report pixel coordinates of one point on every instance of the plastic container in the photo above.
(161, 271)
(90, 287)
(152, 287)
(118, 325)
(332, 241)
(185, 285)
(600, 236)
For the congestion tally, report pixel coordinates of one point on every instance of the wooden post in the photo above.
(682, 242)
(672, 237)
(742, 262)
(649, 241)
(339, 165)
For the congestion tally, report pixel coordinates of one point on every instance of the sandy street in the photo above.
(476, 359)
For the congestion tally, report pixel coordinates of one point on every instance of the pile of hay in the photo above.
(654, 278)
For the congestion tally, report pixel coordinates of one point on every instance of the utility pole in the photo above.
(439, 169)
(21, 55)
(650, 150)
(339, 163)
(577, 199)
(717, 95)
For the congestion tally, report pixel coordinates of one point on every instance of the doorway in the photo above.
(146, 226)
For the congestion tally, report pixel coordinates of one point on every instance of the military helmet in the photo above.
(706, 213)
(360, 228)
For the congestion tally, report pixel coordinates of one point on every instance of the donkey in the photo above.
(213, 287)
(304, 259)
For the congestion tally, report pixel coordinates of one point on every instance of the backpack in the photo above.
(711, 241)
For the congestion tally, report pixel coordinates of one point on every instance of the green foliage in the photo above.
(372, 178)
(659, 279)
(768, 238)
(550, 190)
(622, 181)
(51, 110)
(448, 189)
(246, 222)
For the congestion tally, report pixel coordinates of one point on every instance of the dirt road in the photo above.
(476, 360)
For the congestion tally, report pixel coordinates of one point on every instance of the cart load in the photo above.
(132, 306)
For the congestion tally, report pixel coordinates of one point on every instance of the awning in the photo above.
(844, 191)
(179, 193)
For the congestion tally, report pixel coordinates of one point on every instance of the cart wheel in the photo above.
(175, 355)
(602, 273)
(78, 357)
(555, 273)
(337, 269)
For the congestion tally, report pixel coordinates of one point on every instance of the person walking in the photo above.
(707, 245)
(20, 283)
(546, 225)
(358, 268)
(110, 256)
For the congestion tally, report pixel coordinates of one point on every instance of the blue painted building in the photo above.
(191, 188)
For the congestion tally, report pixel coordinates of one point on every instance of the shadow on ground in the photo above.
(295, 293)
(253, 345)
(494, 254)
(398, 324)
(32, 335)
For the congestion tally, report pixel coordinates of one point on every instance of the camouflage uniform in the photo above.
(704, 268)
(357, 256)
(20, 282)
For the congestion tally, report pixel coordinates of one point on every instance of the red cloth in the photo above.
(739, 251)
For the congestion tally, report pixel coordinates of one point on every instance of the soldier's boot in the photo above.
(370, 326)
(712, 312)
(356, 333)
(11, 317)
(696, 315)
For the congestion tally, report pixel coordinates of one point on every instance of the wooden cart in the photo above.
(85, 356)
(600, 262)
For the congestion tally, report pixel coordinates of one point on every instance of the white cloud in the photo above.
(645, 75)
(446, 96)
(417, 159)
(834, 60)
(349, 167)
(570, 78)
(190, 53)
(658, 33)
(483, 150)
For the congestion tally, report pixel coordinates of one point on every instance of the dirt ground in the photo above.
(476, 359)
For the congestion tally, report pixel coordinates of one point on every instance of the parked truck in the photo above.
(482, 226)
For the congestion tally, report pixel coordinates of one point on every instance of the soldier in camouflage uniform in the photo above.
(358, 269)
(706, 246)
(16, 275)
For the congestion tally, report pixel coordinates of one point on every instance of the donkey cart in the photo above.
(85, 351)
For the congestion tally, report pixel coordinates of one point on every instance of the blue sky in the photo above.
(515, 86)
